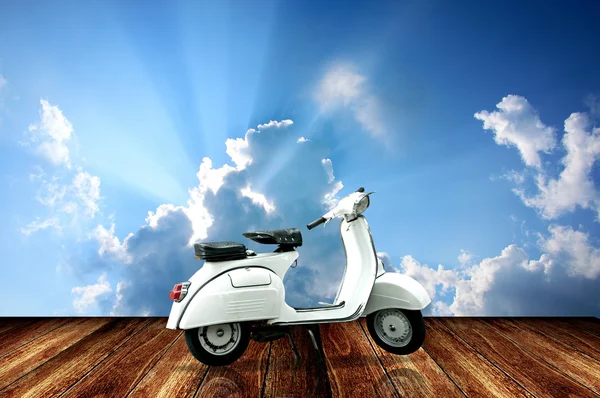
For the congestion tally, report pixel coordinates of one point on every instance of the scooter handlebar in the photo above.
(316, 223)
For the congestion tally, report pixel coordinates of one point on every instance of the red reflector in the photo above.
(175, 294)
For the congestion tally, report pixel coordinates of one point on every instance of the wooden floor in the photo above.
(113, 357)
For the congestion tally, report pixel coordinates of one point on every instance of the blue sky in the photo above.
(473, 122)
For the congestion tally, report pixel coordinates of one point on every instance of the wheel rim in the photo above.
(219, 339)
(393, 327)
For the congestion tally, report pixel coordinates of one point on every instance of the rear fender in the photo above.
(240, 295)
(394, 290)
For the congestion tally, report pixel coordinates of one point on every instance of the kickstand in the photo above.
(314, 341)
(296, 354)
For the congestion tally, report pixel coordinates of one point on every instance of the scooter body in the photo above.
(250, 290)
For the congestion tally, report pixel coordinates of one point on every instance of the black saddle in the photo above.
(283, 237)
(220, 251)
(287, 239)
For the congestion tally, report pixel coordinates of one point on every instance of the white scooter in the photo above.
(239, 295)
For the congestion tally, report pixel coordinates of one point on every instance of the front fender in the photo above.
(394, 290)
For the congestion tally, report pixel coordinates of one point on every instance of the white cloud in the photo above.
(385, 257)
(87, 296)
(110, 244)
(237, 149)
(328, 166)
(72, 202)
(50, 192)
(513, 284)
(574, 187)
(579, 257)
(330, 199)
(87, 188)
(465, 258)
(276, 124)
(429, 277)
(161, 247)
(512, 176)
(343, 87)
(302, 139)
(38, 225)
(53, 131)
(3, 82)
(118, 306)
(517, 124)
(479, 279)
(258, 199)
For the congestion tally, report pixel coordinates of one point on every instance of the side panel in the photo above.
(219, 302)
(394, 290)
(248, 277)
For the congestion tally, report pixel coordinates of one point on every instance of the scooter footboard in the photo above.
(394, 290)
(237, 296)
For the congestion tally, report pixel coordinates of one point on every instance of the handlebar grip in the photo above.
(316, 223)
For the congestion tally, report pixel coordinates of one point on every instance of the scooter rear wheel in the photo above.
(398, 331)
(218, 345)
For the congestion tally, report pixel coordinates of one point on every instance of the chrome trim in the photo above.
(350, 318)
(184, 291)
(331, 307)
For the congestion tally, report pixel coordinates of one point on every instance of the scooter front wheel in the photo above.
(398, 331)
(218, 345)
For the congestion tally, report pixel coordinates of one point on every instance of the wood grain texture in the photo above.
(591, 325)
(534, 374)
(33, 354)
(116, 357)
(118, 374)
(176, 374)
(415, 375)
(307, 380)
(9, 323)
(474, 374)
(579, 366)
(23, 334)
(65, 369)
(352, 365)
(244, 378)
(575, 337)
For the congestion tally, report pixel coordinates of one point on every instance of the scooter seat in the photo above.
(220, 251)
(289, 236)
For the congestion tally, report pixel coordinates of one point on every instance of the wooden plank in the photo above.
(474, 374)
(308, 379)
(571, 335)
(31, 355)
(590, 325)
(10, 323)
(177, 374)
(539, 378)
(414, 375)
(117, 375)
(59, 373)
(579, 366)
(243, 378)
(23, 334)
(347, 350)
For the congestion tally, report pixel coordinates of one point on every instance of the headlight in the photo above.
(361, 205)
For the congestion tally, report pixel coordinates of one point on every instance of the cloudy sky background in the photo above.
(127, 133)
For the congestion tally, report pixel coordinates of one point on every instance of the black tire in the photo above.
(417, 324)
(192, 339)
